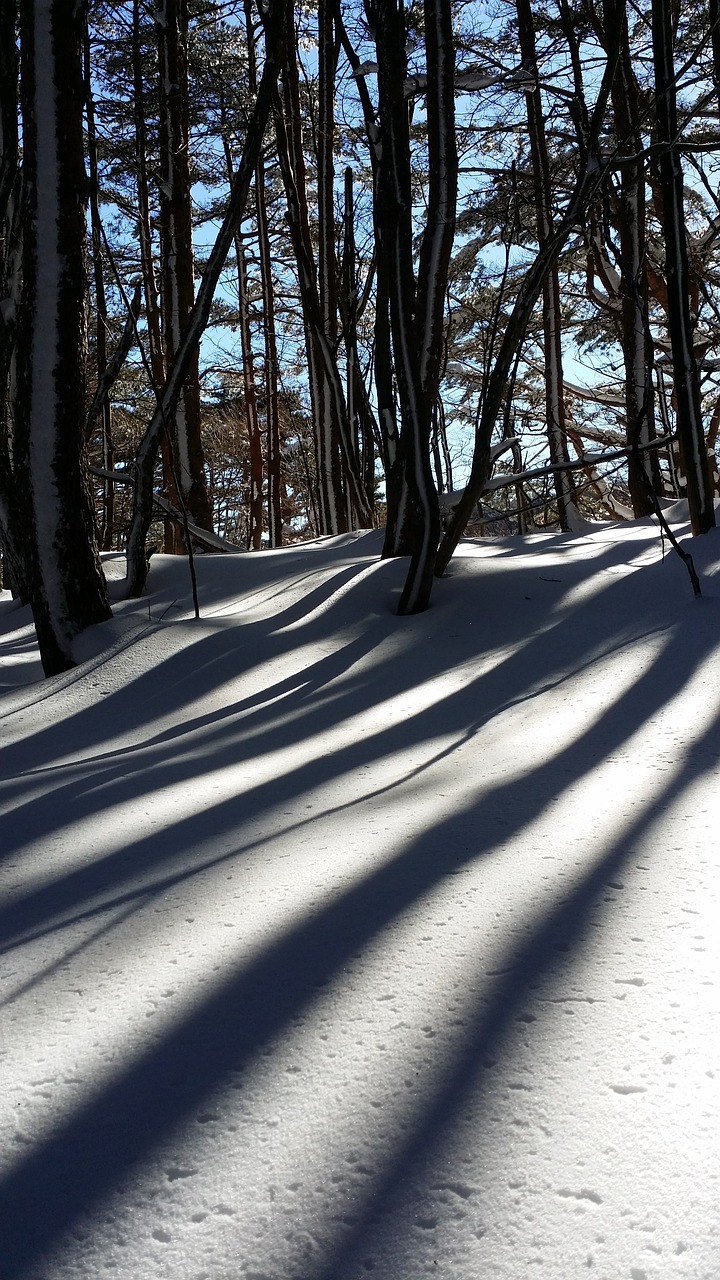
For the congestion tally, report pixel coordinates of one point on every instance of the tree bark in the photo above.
(685, 374)
(382, 345)
(10, 276)
(185, 453)
(67, 588)
(255, 500)
(418, 525)
(635, 334)
(552, 323)
(104, 412)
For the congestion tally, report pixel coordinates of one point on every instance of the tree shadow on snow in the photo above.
(67, 1173)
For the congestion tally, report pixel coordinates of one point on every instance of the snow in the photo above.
(339, 944)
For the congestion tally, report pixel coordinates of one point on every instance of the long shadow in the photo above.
(186, 679)
(77, 888)
(157, 862)
(66, 1174)
(97, 883)
(227, 734)
(545, 954)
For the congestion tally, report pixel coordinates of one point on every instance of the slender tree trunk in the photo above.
(147, 261)
(272, 403)
(685, 375)
(292, 163)
(635, 321)
(359, 412)
(177, 264)
(588, 183)
(326, 252)
(147, 451)
(419, 515)
(67, 588)
(552, 323)
(271, 366)
(382, 345)
(105, 532)
(255, 524)
(255, 504)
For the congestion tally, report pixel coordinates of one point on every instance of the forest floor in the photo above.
(336, 944)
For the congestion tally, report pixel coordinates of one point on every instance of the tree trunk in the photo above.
(326, 254)
(147, 265)
(185, 468)
(636, 340)
(255, 503)
(272, 404)
(419, 514)
(10, 276)
(552, 323)
(382, 346)
(271, 370)
(588, 183)
(67, 588)
(105, 532)
(685, 374)
(288, 121)
(147, 451)
(359, 412)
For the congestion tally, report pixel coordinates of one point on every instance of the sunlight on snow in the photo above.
(391, 952)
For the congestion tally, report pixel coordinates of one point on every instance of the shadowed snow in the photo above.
(337, 944)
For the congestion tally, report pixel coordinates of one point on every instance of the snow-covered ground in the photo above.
(337, 944)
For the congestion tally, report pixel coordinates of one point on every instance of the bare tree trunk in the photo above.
(292, 164)
(147, 451)
(636, 338)
(382, 346)
(255, 504)
(67, 588)
(271, 368)
(105, 532)
(359, 412)
(177, 269)
(255, 528)
(322, 356)
(272, 406)
(552, 323)
(419, 515)
(147, 264)
(685, 375)
(589, 181)
(326, 254)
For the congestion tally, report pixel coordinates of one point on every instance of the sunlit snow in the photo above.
(339, 944)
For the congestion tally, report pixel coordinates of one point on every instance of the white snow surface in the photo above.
(337, 944)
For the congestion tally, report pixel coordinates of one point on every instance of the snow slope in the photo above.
(336, 944)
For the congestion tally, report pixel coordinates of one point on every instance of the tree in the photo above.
(66, 585)
(10, 253)
(552, 335)
(183, 439)
(197, 321)
(685, 376)
(416, 306)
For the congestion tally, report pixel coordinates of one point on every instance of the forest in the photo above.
(270, 273)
